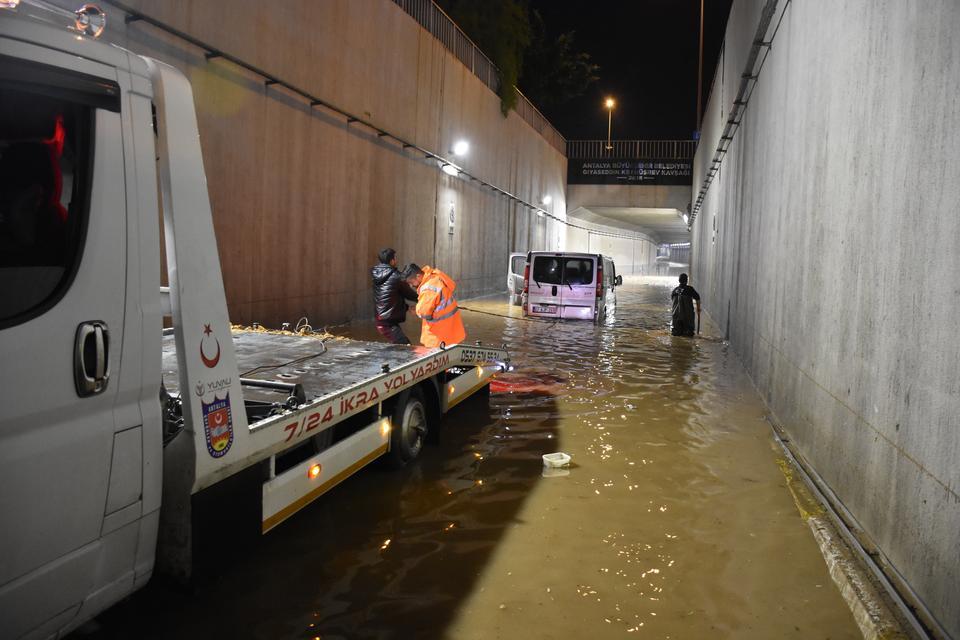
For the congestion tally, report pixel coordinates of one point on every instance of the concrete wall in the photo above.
(632, 251)
(827, 250)
(302, 200)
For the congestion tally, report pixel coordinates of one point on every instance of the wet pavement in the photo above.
(673, 520)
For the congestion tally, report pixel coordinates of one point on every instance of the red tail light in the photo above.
(599, 280)
(526, 278)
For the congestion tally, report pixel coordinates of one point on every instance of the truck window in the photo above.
(546, 270)
(44, 178)
(578, 270)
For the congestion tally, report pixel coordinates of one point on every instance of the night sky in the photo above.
(647, 52)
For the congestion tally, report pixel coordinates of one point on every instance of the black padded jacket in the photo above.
(390, 292)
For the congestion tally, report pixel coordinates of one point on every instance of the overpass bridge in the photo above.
(638, 188)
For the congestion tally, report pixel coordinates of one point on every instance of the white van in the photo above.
(515, 276)
(569, 285)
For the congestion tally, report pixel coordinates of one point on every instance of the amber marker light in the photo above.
(313, 471)
(385, 428)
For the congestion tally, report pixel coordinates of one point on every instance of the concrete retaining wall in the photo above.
(303, 200)
(632, 251)
(827, 251)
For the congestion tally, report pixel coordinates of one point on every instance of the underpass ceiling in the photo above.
(664, 226)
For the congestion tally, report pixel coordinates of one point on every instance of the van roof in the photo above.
(577, 254)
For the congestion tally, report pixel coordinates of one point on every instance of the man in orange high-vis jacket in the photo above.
(436, 306)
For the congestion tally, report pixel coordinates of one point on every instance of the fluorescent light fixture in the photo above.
(450, 170)
(686, 219)
(461, 147)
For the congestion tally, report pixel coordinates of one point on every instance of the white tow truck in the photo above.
(110, 426)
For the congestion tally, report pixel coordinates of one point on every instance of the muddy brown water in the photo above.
(673, 521)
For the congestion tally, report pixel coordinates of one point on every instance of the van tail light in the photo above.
(599, 281)
(526, 278)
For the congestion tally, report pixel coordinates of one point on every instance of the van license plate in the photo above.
(544, 308)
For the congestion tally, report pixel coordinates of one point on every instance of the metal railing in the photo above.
(433, 19)
(640, 149)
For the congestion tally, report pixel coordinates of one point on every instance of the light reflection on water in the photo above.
(672, 521)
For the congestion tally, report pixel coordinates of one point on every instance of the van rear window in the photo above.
(578, 271)
(547, 270)
(560, 270)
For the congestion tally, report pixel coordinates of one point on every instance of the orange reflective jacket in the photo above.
(437, 307)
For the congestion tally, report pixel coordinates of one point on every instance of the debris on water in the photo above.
(556, 460)
(536, 383)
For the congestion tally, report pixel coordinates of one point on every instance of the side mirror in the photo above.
(618, 281)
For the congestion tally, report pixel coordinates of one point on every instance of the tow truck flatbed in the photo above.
(320, 365)
(296, 387)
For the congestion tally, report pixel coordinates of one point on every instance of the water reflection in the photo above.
(672, 520)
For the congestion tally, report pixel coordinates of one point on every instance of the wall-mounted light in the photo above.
(460, 148)
(540, 214)
(450, 170)
(547, 199)
(686, 219)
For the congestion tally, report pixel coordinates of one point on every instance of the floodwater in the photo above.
(673, 520)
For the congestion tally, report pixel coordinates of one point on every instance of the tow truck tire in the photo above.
(410, 426)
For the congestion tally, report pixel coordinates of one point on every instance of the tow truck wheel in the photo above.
(410, 426)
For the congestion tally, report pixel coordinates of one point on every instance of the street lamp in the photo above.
(609, 103)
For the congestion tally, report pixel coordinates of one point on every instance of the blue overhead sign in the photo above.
(624, 171)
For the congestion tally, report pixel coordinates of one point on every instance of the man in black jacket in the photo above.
(390, 293)
(684, 323)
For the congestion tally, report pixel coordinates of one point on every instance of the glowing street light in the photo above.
(547, 199)
(461, 147)
(610, 104)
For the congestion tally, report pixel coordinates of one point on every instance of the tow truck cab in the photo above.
(80, 327)
(110, 425)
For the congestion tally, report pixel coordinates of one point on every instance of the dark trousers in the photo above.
(392, 332)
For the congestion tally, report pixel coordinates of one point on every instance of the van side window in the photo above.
(44, 178)
(578, 271)
(516, 265)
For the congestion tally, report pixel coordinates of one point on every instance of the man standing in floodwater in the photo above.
(684, 324)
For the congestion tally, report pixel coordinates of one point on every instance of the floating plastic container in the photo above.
(556, 460)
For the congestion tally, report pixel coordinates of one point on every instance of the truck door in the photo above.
(543, 291)
(579, 291)
(63, 244)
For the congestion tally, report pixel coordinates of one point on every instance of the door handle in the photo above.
(553, 290)
(91, 358)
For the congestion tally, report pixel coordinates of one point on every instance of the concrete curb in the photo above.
(868, 604)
